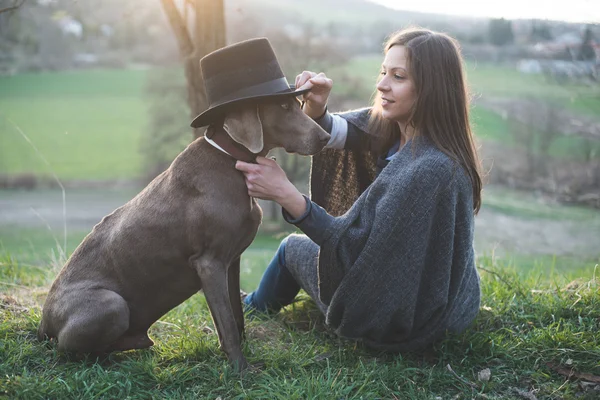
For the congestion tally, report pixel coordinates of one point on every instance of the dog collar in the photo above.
(219, 139)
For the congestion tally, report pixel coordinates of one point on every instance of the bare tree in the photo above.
(16, 4)
(199, 26)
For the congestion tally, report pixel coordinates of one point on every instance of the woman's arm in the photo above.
(266, 180)
(344, 135)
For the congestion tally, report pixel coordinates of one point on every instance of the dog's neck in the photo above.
(218, 138)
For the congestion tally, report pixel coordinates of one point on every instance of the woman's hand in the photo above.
(266, 180)
(316, 99)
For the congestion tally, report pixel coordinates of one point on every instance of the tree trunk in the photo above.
(206, 35)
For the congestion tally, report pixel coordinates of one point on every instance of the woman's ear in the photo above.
(243, 125)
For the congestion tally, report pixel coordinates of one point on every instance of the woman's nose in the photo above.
(382, 85)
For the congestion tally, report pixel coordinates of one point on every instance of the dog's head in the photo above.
(263, 126)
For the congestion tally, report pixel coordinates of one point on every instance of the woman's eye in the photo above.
(398, 77)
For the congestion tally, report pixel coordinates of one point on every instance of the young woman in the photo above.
(397, 270)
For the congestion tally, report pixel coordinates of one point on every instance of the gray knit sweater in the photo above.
(397, 270)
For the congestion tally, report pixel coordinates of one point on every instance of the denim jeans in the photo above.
(277, 287)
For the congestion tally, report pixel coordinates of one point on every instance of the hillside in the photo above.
(340, 12)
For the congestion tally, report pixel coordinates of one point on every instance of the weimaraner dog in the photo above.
(184, 232)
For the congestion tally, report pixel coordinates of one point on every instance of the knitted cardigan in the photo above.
(396, 268)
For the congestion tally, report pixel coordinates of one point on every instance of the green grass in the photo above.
(528, 206)
(526, 324)
(87, 124)
(500, 81)
(535, 310)
(36, 246)
(505, 82)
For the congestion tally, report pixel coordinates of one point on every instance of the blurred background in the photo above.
(96, 98)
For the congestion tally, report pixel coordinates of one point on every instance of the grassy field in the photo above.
(88, 125)
(537, 326)
(501, 81)
(536, 337)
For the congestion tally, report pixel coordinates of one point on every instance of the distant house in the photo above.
(561, 70)
(560, 57)
(565, 46)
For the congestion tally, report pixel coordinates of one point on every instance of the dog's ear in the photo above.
(244, 126)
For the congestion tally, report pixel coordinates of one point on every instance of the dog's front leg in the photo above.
(233, 287)
(213, 275)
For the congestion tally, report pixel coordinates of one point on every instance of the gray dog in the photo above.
(184, 232)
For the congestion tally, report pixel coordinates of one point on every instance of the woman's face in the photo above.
(396, 87)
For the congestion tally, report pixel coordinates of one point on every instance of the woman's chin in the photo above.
(388, 114)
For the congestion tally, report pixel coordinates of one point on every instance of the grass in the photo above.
(500, 81)
(529, 206)
(505, 82)
(538, 314)
(526, 329)
(87, 124)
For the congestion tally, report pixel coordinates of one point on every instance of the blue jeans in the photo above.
(277, 287)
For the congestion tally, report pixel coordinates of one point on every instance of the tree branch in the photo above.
(186, 47)
(13, 7)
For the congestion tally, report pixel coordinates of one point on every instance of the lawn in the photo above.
(537, 325)
(500, 81)
(536, 336)
(88, 125)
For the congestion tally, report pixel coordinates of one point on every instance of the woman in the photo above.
(397, 270)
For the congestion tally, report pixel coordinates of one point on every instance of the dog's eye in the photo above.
(285, 106)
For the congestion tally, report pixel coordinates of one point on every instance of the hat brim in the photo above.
(217, 111)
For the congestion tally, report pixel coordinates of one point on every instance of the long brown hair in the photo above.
(441, 108)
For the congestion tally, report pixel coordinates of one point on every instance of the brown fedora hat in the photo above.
(239, 72)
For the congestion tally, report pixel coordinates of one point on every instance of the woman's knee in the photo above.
(281, 252)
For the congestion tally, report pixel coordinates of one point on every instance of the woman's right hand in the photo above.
(320, 87)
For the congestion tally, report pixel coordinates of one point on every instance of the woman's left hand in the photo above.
(266, 180)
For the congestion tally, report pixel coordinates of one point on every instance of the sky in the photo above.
(561, 10)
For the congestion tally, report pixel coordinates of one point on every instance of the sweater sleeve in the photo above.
(316, 223)
(344, 133)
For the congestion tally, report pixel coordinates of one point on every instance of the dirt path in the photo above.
(495, 231)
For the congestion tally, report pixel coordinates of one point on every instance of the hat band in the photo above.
(266, 88)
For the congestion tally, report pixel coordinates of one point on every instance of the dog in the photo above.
(184, 232)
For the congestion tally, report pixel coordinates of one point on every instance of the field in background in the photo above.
(493, 80)
(513, 228)
(89, 124)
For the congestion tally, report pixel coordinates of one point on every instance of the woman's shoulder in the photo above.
(358, 117)
(426, 159)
